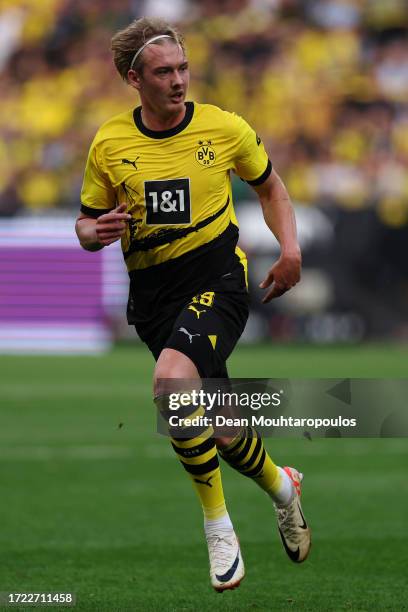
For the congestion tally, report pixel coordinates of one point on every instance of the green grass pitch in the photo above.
(106, 511)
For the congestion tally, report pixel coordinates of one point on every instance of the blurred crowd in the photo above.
(324, 83)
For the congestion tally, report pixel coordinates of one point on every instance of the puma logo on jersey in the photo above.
(131, 163)
(190, 336)
(198, 312)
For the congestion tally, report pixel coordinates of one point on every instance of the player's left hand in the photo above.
(283, 275)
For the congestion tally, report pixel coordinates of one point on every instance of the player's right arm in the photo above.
(94, 234)
(99, 223)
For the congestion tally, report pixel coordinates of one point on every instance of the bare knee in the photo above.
(224, 441)
(172, 364)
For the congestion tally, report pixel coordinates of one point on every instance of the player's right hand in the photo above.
(111, 226)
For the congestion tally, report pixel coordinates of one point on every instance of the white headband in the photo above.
(136, 55)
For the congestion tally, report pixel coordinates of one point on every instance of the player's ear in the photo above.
(134, 79)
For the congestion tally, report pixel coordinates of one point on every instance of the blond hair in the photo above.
(126, 43)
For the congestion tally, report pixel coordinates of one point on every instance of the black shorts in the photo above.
(207, 327)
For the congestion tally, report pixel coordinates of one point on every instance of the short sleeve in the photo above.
(97, 194)
(251, 160)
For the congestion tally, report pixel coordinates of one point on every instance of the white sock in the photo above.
(286, 491)
(224, 522)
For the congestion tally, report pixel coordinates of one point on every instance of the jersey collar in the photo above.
(158, 134)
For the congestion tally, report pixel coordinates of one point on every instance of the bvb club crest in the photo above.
(205, 154)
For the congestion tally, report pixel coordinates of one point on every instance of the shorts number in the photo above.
(205, 299)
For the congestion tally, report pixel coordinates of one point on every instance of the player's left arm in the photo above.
(280, 218)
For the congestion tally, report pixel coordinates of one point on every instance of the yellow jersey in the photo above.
(176, 183)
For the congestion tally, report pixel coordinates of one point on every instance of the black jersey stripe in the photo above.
(160, 290)
(261, 179)
(94, 212)
(166, 236)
